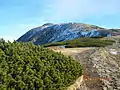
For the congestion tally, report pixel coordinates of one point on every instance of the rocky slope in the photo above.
(65, 31)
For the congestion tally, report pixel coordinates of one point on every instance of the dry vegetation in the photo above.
(69, 51)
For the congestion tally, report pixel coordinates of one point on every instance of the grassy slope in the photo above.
(82, 42)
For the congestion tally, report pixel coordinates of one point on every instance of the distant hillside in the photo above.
(65, 31)
(82, 42)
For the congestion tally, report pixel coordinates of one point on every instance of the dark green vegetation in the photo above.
(83, 42)
(24, 66)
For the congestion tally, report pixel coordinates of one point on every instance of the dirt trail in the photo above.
(82, 55)
(91, 78)
(101, 69)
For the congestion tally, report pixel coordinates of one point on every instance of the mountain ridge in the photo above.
(50, 32)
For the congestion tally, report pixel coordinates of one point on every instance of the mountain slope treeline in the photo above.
(24, 66)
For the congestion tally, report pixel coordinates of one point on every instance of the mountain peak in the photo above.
(50, 32)
(47, 24)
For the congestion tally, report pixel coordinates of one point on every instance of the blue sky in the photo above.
(18, 16)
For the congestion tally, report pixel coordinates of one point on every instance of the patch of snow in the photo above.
(113, 51)
(94, 33)
(109, 35)
(63, 46)
(84, 33)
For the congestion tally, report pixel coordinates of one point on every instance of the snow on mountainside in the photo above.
(65, 31)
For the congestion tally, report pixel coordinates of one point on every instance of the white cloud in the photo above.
(74, 9)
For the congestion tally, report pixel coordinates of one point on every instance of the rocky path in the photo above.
(101, 70)
(91, 81)
(108, 66)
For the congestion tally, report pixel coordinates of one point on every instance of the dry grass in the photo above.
(69, 51)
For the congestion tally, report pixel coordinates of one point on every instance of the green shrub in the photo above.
(83, 42)
(24, 66)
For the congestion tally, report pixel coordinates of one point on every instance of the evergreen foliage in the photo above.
(83, 42)
(24, 66)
